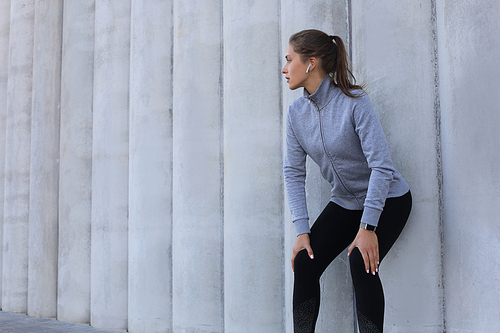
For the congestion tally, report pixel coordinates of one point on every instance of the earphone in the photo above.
(308, 67)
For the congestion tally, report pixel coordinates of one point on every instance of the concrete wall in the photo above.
(75, 166)
(110, 166)
(337, 293)
(468, 73)
(44, 162)
(4, 62)
(140, 173)
(400, 78)
(198, 166)
(17, 157)
(150, 165)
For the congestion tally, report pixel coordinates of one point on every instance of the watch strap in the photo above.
(368, 227)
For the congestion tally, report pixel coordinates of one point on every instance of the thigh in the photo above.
(392, 222)
(332, 232)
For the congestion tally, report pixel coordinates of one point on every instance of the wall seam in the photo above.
(32, 40)
(221, 159)
(348, 9)
(59, 155)
(129, 71)
(91, 168)
(171, 166)
(92, 144)
(2, 188)
(282, 190)
(349, 27)
(439, 167)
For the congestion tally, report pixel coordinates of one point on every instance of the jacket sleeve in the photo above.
(376, 151)
(294, 170)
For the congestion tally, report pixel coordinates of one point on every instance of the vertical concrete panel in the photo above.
(4, 69)
(197, 167)
(468, 46)
(75, 180)
(150, 179)
(393, 54)
(253, 189)
(336, 311)
(44, 172)
(110, 151)
(17, 158)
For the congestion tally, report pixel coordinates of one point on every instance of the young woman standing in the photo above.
(335, 124)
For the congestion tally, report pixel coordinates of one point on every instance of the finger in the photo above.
(293, 261)
(366, 259)
(373, 263)
(350, 249)
(376, 258)
(310, 251)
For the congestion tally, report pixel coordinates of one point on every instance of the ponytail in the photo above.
(331, 52)
(341, 74)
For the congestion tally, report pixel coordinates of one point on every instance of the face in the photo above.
(294, 69)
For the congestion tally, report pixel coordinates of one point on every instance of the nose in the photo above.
(284, 70)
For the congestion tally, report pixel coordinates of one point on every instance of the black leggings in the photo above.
(332, 232)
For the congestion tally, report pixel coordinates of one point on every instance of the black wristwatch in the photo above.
(368, 227)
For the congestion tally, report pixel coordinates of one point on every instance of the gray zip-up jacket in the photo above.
(344, 137)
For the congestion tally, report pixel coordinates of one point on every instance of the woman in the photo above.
(335, 124)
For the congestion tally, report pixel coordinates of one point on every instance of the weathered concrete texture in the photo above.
(17, 158)
(150, 177)
(469, 73)
(4, 70)
(44, 170)
(253, 190)
(336, 311)
(197, 168)
(110, 151)
(393, 53)
(192, 232)
(75, 174)
(20, 323)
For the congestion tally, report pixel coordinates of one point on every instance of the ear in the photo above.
(313, 61)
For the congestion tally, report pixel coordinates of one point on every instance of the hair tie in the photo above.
(333, 42)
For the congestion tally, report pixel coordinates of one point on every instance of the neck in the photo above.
(313, 83)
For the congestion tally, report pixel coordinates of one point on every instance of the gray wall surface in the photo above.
(140, 167)
(470, 99)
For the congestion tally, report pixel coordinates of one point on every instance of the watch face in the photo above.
(367, 227)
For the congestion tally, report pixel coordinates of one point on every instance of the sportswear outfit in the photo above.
(344, 137)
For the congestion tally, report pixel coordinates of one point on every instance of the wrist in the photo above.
(367, 227)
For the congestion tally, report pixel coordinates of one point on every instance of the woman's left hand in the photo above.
(367, 243)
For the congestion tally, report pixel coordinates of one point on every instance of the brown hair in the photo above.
(332, 55)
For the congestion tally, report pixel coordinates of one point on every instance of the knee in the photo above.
(303, 263)
(357, 264)
(355, 258)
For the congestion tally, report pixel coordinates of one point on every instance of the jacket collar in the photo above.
(322, 96)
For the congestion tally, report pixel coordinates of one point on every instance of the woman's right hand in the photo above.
(302, 242)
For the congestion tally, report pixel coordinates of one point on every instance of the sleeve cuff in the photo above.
(302, 226)
(371, 216)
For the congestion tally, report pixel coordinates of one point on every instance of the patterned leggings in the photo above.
(332, 232)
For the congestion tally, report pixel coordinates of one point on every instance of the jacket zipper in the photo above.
(329, 157)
